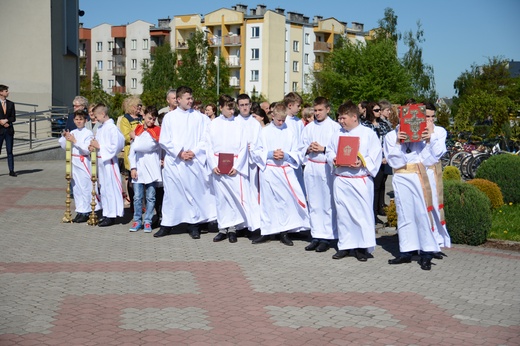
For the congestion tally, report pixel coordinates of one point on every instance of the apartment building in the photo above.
(268, 52)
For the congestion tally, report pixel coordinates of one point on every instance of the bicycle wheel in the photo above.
(464, 164)
(475, 162)
(445, 159)
(457, 158)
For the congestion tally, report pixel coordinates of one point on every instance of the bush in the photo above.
(491, 190)
(468, 213)
(451, 173)
(391, 214)
(503, 170)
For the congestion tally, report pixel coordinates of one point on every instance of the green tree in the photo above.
(486, 91)
(443, 116)
(159, 76)
(373, 71)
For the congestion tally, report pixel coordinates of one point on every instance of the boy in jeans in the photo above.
(145, 168)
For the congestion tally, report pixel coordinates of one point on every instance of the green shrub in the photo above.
(391, 214)
(503, 170)
(467, 211)
(451, 173)
(491, 190)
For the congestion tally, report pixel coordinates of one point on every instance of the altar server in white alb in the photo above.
(109, 142)
(354, 187)
(435, 176)
(252, 129)
(413, 198)
(187, 195)
(145, 168)
(232, 193)
(81, 177)
(282, 202)
(318, 176)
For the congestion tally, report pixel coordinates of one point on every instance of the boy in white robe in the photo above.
(145, 168)
(252, 129)
(318, 176)
(435, 176)
(187, 196)
(232, 193)
(81, 177)
(354, 187)
(282, 202)
(109, 142)
(293, 103)
(414, 210)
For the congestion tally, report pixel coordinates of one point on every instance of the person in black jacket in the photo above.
(7, 118)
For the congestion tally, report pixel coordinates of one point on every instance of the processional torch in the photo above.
(93, 219)
(67, 217)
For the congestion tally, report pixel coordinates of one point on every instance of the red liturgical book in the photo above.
(225, 162)
(412, 120)
(348, 148)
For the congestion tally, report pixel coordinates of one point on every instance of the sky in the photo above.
(457, 33)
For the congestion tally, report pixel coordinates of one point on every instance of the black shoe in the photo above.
(361, 255)
(323, 246)
(340, 254)
(195, 233)
(284, 239)
(163, 231)
(80, 218)
(426, 263)
(219, 237)
(108, 221)
(400, 260)
(232, 237)
(313, 245)
(261, 239)
(13, 174)
(379, 221)
(439, 255)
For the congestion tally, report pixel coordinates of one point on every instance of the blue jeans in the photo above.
(138, 202)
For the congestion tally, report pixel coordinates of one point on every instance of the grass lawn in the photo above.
(506, 223)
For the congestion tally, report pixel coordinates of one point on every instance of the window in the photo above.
(145, 43)
(295, 66)
(134, 83)
(99, 46)
(110, 65)
(101, 82)
(146, 62)
(286, 56)
(134, 44)
(134, 64)
(100, 65)
(255, 53)
(296, 46)
(110, 83)
(295, 86)
(254, 75)
(306, 59)
(255, 31)
(110, 45)
(307, 39)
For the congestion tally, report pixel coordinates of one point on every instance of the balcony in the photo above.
(118, 90)
(233, 62)
(119, 51)
(182, 45)
(83, 72)
(318, 66)
(82, 54)
(234, 82)
(323, 47)
(232, 40)
(119, 71)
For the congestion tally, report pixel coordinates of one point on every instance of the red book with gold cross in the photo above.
(348, 148)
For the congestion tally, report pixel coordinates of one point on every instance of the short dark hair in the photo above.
(183, 90)
(320, 100)
(348, 107)
(152, 110)
(80, 113)
(243, 97)
(430, 106)
(226, 100)
(3, 87)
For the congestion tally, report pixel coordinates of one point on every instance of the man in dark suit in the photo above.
(7, 118)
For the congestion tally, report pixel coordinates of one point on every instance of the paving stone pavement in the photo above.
(73, 284)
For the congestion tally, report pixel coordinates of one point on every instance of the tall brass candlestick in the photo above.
(93, 219)
(67, 217)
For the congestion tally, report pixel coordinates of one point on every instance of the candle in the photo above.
(93, 163)
(68, 157)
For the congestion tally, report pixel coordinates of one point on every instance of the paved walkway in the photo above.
(72, 284)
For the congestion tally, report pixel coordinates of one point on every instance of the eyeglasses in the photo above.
(376, 110)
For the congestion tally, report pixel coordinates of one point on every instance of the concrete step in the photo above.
(40, 149)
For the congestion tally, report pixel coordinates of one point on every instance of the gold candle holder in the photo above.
(93, 219)
(67, 217)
